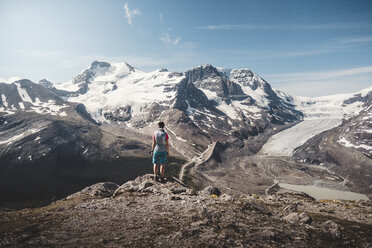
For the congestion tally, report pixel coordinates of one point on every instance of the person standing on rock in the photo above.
(159, 151)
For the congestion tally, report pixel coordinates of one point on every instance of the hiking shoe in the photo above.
(162, 180)
(156, 178)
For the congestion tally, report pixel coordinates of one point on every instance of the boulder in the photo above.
(332, 228)
(255, 207)
(298, 218)
(211, 190)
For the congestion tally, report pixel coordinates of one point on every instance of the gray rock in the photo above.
(290, 209)
(178, 190)
(128, 186)
(105, 189)
(252, 206)
(211, 190)
(175, 198)
(144, 185)
(191, 192)
(332, 228)
(226, 198)
(298, 218)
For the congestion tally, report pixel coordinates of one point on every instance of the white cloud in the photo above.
(330, 26)
(9, 80)
(130, 14)
(320, 83)
(365, 39)
(165, 38)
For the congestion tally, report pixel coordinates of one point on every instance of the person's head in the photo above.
(161, 124)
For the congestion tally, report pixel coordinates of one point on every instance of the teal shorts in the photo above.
(159, 157)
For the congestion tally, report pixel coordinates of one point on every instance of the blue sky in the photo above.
(303, 47)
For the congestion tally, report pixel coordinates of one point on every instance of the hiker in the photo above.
(159, 151)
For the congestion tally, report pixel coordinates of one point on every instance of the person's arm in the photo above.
(167, 143)
(153, 144)
(167, 146)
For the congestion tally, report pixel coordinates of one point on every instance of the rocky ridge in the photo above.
(145, 213)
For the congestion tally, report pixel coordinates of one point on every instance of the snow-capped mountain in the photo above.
(109, 110)
(24, 95)
(110, 89)
(118, 91)
(215, 102)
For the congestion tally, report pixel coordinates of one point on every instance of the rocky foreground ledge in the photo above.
(145, 213)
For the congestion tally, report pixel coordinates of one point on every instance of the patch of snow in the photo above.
(347, 143)
(5, 103)
(189, 109)
(21, 105)
(179, 138)
(23, 93)
(67, 86)
(49, 107)
(20, 136)
(364, 92)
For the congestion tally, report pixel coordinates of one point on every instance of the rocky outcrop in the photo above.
(301, 218)
(146, 213)
(148, 184)
(105, 189)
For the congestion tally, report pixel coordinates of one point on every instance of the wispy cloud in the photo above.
(364, 39)
(165, 38)
(43, 54)
(130, 14)
(323, 82)
(328, 26)
(274, 55)
(322, 75)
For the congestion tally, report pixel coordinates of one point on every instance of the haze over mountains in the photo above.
(236, 131)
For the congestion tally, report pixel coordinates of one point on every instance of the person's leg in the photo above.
(162, 161)
(162, 170)
(156, 168)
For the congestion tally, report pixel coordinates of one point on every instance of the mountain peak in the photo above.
(96, 64)
(46, 83)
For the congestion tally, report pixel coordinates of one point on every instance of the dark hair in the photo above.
(161, 124)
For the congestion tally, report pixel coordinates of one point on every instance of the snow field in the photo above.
(284, 143)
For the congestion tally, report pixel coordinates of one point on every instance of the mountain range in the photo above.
(227, 127)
